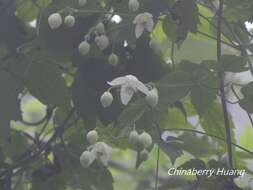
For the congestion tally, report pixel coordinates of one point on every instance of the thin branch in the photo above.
(173, 56)
(157, 168)
(213, 38)
(59, 130)
(213, 136)
(222, 90)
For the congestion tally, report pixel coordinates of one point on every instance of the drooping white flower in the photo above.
(101, 152)
(143, 21)
(86, 159)
(129, 85)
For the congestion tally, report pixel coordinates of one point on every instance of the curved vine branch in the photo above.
(213, 136)
(222, 90)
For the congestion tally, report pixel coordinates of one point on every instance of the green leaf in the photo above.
(131, 114)
(239, 10)
(187, 13)
(233, 63)
(199, 146)
(11, 87)
(170, 28)
(203, 93)
(44, 81)
(247, 102)
(202, 98)
(193, 163)
(173, 87)
(213, 123)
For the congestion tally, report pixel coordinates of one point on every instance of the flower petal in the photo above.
(117, 81)
(141, 87)
(139, 29)
(126, 93)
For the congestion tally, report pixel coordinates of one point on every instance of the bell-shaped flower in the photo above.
(129, 85)
(101, 152)
(143, 21)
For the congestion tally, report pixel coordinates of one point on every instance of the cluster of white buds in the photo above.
(96, 151)
(55, 21)
(141, 142)
(101, 40)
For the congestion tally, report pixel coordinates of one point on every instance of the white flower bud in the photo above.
(106, 99)
(102, 42)
(152, 97)
(133, 137)
(156, 46)
(86, 159)
(55, 21)
(145, 139)
(144, 155)
(100, 28)
(133, 5)
(92, 137)
(113, 59)
(84, 48)
(70, 21)
(81, 3)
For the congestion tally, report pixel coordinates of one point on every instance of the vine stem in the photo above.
(222, 90)
(213, 136)
(157, 168)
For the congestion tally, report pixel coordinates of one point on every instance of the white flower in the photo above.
(101, 152)
(128, 84)
(102, 42)
(55, 21)
(86, 159)
(143, 21)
